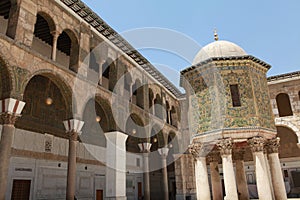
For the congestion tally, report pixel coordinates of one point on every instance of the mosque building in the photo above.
(85, 116)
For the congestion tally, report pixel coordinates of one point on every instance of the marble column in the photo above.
(262, 178)
(216, 183)
(145, 149)
(115, 165)
(240, 175)
(199, 152)
(164, 153)
(10, 110)
(276, 173)
(55, 35)
(73, 128)
(225, 147)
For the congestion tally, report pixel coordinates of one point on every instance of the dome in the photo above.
(218, 49)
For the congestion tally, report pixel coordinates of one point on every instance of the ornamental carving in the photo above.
(8, 119)
(257, 144)
(198, 150)
(273, 145)
(225, 146)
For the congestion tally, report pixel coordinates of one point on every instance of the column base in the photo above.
(115, 198)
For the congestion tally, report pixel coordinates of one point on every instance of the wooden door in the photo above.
(21, 190)
(99, 195)
(140, 190)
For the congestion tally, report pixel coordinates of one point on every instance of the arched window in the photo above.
(168, 112)
(43, 39)
(284, 105)
(138, 94)
(158, 107)
(150, 98)
(173, 117)
(5, 6)
(109, 75)
(68, 50)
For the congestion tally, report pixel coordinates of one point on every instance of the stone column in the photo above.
(55, 35)
(145, 149)
(262, 178)
(164, 153)
(276, 173)
(73, 129)
(115, 165)
(225, 147)
(240, 175)
(10, 110)
(199, 152)
(216, 183)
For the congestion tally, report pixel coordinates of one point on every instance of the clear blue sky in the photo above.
(267, 29)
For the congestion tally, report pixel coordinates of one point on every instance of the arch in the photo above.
(173, 117)
(158, 139)
(68, 50)
(151, 98)
(6, 80)
(106, 106)
(45, 109)
(288, 142)
(158, 107)
(127, 81)
(96, 124)
(138, 94)
(173, 142)
(109, 75)
(168, 114)
(43, 38)
(289, 125)
(284, 105)
(63, 86)
(136, 133)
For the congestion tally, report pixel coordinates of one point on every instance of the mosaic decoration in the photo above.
(212, 107)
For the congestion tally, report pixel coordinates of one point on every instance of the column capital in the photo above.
(73, 128)
(145, 147)
(257, 144)
(225, 146)
(163, 152)
(10, 110)
(55, 34)
(272, 145)
(198, 150)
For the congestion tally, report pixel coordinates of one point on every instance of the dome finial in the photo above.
(216, 36)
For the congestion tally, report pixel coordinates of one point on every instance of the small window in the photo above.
(138, 162)
(235, 95)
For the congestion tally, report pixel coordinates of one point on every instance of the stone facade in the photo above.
(66, 63)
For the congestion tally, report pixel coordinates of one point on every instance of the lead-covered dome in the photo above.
(218, 49)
